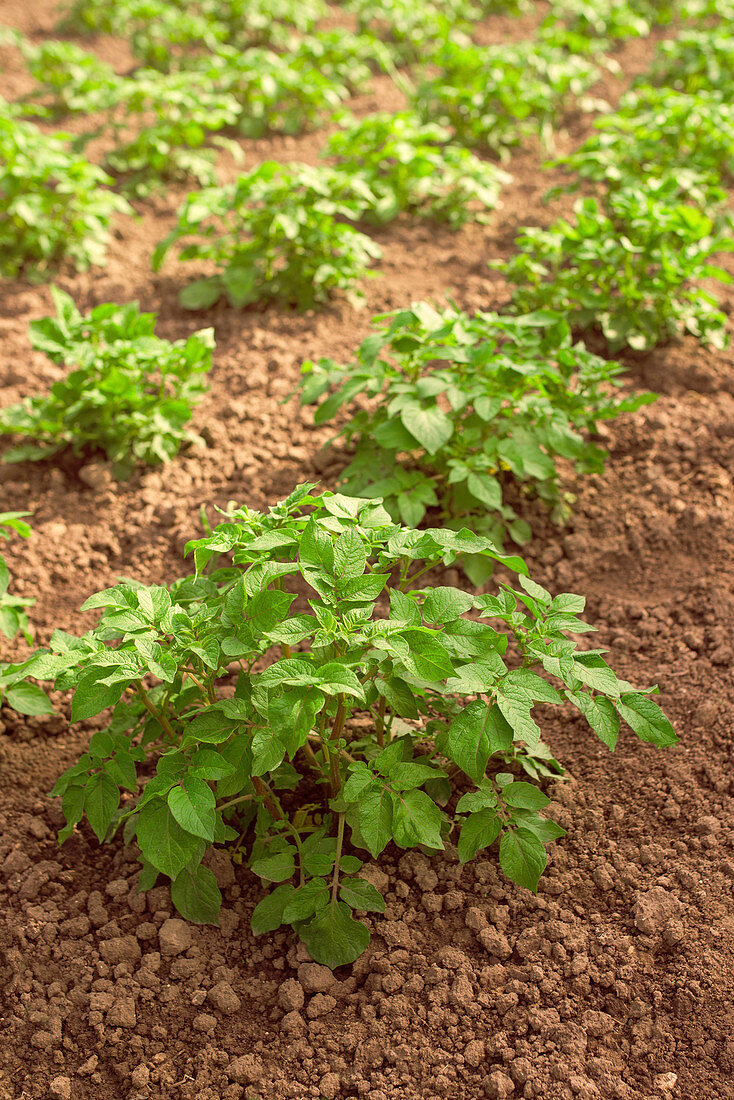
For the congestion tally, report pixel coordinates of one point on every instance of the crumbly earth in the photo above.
(617, 980)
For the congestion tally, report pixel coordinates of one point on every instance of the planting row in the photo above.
(307, 692)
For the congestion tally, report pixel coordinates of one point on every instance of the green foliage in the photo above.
(629, 264)
(171, 116)
(492, 96)
(410, 165)
(13, 616)
(460, 406)
(686, 139)
(447, 682)
(414, 30)
(129, 394)
(588, 26)
(53, 203)
(274, 236)
(167, 33)
(73, 81)
(695, 61)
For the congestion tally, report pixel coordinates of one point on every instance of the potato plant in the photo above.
(411, 165)
(13, 614)
(168, 33)
(302, 700)
(276, 235)
(658, 133)
(629, 264)
(128, 394)
(493, 96)
(15, 690)
(696, 61)
(462, 406)
(54, 204)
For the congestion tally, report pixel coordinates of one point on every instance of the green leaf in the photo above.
(350, 556)
(192, 803)
(163, 842)
(416, 820)
(92, 697)
(405, 775)
(276, 868)
(196, 895)
(375, 817)
(431, 427)
(478, 831)
(207, 764)
(210, 726)
(101, 799)
(524, 796)
(522, 858)
(599, 712)
(443, 605)
(333, 937)
(335, 679)
(360, 894)
(268, 913)
(201, 294)
(429, 660)
(306, 901)
(28, 699)
(646, 718)
(469, 744)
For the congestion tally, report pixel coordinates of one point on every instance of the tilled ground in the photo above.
(617, 980)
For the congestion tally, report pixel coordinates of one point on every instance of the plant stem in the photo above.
(380, 723)
(234, 801)
(339, 845)
(158, 715)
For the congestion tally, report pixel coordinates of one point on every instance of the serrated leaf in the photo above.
(524, 796)
(333, 937)
(646, 719)
(268, 913)
(192, 804)
(196, 895)
(416, 820)
(163, 842)
(360, 894)
(375, 818)
(479, 831)
(522, 857)
(101, 799)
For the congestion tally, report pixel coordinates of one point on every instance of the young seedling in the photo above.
(54, 205)
(275, 237)
(129, 394)
(411, 165)
(236, 694)
(493, 96)
(15, 690)
(628, 264)
(462, 407)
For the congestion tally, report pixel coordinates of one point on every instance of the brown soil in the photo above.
(617, 980)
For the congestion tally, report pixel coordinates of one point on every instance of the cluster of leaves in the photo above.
(461, 405)
(275, 235)
(411, 165)
(239, 720)
(412, 30)
(590, 26)
(492, 96)
(15, 690)
(13, 615)
(166, 33)
(54, 204)
(696, 61)
(71, 81)
(688, 140)
(129, 394)
(629, 263)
